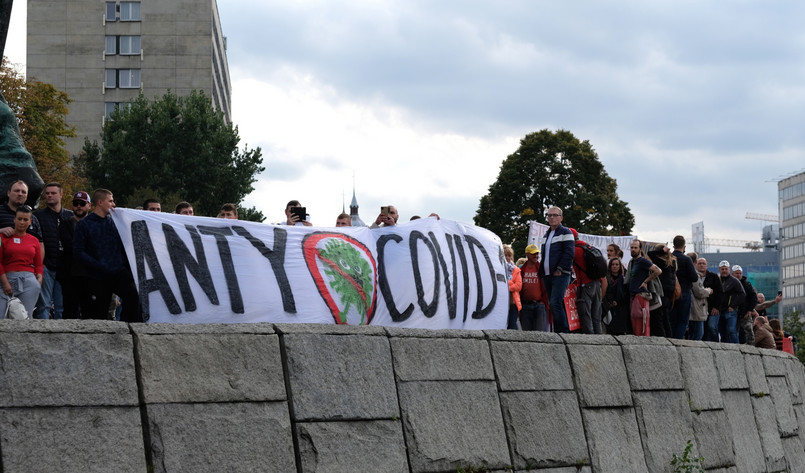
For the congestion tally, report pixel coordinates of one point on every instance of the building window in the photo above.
(129, 11)
(122, 78)
(129, 45)
(111, 45)
(122, 45)
(112, 106)
(111, 11)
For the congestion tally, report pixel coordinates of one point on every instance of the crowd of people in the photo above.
(70, 264)
(662, 292)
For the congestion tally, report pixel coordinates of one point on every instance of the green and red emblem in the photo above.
(344, 269)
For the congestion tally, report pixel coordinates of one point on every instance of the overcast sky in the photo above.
(695, 108)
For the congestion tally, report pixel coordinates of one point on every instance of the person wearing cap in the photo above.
(732, 297)
(50, 218)
(70, 273)
(557, 264)
(532, 295)
(746, 311)
(710, 281)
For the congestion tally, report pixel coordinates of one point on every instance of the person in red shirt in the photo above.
(20, 263)
(532, 295)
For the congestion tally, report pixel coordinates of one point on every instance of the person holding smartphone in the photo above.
(295, 214)
(388, 217)
(763, 304)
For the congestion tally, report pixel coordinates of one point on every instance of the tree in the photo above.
(42, 110)
(553, 169)
(174, 146)
(251, 214)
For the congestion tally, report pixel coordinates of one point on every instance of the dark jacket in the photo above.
(750, 301)
(97, 245)
(50, 222)
(733, 294)
(562, 251)
(712, 281)
(668, 276)
(685, 272)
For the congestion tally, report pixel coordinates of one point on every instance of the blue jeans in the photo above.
(511, 323)
(556, 287)
(696, 330)
(51, 292)
(533, 316)
(728, 327)
(711, 331)
(680, 315)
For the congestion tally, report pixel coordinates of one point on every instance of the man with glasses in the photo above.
(70, 272)
(557, 262)
(50, 218)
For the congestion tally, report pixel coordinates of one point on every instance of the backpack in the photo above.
(596, 263)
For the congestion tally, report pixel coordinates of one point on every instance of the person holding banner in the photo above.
(558, 250)
(642, 272)
(97, 245)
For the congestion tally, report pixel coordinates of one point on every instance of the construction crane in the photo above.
(749, 245)
(764, 217)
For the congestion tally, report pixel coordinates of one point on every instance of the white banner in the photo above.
(537, 230)
(429, 273)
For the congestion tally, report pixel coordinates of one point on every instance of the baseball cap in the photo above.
(81, 195)
(724, 263)
(531, 249)
(737, 267)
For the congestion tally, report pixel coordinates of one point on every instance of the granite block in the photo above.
(531, 366)
(66, 369)
(215, 437)
(335, 447)
(600, 375)
(540, 427)
(340, 377)
(701, 378)
(61, 439)
(210, 367)
(452, 424)
(441, 359)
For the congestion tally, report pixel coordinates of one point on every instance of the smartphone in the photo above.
(299, 212)
(779, 293)
(384, 210)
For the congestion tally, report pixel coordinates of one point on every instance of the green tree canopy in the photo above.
(175, 146)
(553, 169)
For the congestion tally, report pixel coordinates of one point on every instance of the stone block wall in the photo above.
(93, 396)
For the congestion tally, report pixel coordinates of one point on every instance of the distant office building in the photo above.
(102, 54)
(761, 268)
(792, 241)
